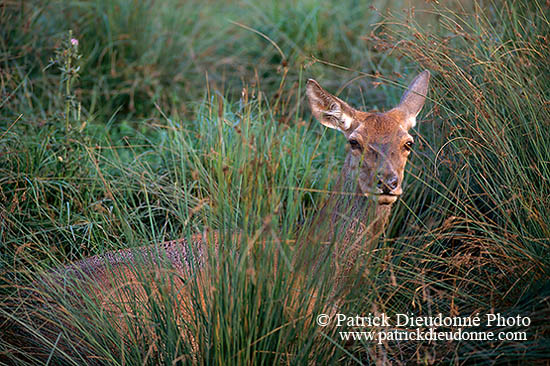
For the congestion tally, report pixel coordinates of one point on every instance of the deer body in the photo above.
(370, 182)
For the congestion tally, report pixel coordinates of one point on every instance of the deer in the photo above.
(370, 182)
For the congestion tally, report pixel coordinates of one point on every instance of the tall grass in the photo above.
(485, 213)
(138, 53)
(469, 235)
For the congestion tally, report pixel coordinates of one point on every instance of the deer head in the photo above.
(380, 143)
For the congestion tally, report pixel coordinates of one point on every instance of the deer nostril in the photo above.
(387, 185)
(392, 183)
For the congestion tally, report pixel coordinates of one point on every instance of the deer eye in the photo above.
(408, 145)
(355, 144)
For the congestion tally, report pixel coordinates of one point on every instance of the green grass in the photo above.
(180, 120)
(137, 53)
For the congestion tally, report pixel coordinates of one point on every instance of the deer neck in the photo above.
(349, 222)
(360, 216)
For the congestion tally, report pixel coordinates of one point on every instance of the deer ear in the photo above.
(413, 100)
(331, 111)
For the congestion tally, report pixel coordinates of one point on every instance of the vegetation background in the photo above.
(153, 120)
